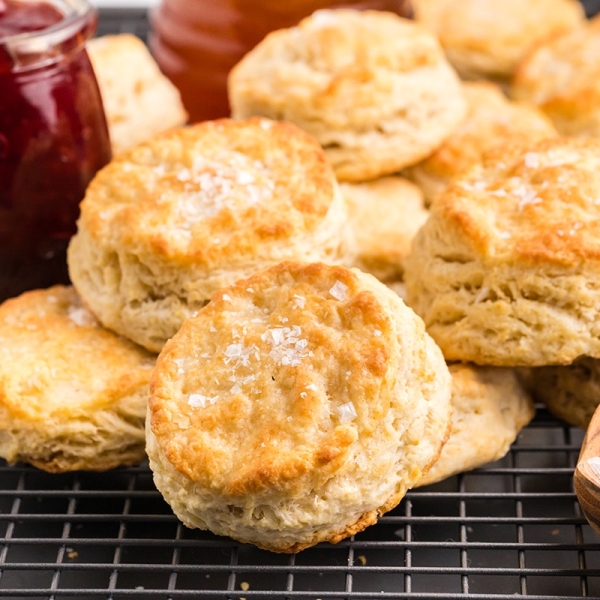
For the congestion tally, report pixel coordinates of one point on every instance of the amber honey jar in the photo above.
(197, 42)
(53, 136)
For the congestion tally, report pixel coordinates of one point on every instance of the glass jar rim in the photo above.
(44, 46)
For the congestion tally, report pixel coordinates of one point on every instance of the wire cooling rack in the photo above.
(512, 528)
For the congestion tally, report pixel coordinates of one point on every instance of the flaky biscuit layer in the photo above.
(385, 215)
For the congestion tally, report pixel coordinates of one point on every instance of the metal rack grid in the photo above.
(512, 528)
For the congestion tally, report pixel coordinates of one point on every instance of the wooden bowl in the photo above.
(587, 473)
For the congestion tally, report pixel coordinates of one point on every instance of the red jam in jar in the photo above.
(197, 42)
(53, 136)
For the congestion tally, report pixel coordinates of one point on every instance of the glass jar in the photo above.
(53, 136)
(197, 42)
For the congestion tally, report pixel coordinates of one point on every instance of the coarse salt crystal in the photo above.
(184, 175)
(240, 354)
(82, 316)
(377, 333)
(532, 160)
(243, 177)
(339, 291)
(200, 401)
(299, 301)
(311, 386)
(346, 412)
(226, 297)
(526, 196)
(287, 348)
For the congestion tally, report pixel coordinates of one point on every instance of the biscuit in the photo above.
(571, 393)
(365, 84)
(72, 395)
(562, 77)
(491, 120)
(167, 224)
(485, 39)
(296, 407)
(489, 409)
(398, 287)
(385, 215)
(139, 101)
(506, 269)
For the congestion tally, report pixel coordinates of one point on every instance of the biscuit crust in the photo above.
(296, 407)
(571, 393)
(489, 409)
(562, 77)
(139, 101)
(492, 120)
(505, 271)
(72, 395)
(385, 215)
(486, 39)
(165, 225)
(365, 84)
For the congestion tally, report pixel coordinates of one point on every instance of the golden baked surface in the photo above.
(505, 271)
(492, 120)
(139, 101)
(365, 84)
(72, 395)
(563, 78)
(487, 38)
(385, 215)
(166, 224)
(489, 409)
(295, 407)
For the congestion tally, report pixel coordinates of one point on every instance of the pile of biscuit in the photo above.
(296, 397)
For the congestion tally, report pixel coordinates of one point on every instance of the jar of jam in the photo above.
(197, 42)
(53, 136)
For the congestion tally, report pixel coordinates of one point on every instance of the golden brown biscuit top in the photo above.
(532, 203)
(56, 359)
(353, 43)
(232, 188)
(566, 66)
(269, 386)
(491, 120)
(503, 30)
(334, 55)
